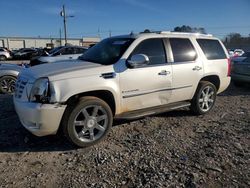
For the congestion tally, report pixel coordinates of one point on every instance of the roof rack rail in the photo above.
(175, 32)
(186, 33)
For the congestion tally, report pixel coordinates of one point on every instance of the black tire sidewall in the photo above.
(68, 124)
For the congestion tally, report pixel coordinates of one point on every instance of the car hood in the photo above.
(7, 66)
(61, 70)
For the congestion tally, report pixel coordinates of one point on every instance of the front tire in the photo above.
(87, 122)
(204, 98)
(7, 84)
(3, 58)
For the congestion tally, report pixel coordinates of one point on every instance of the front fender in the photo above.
(13, 73)
(62, 90)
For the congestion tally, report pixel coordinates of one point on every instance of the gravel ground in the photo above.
(175, 149)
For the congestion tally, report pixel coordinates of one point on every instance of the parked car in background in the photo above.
(241, 69)
(9, 72)
(59, 54)
(24, 54)
(246, 54)
(238, 52)
(241, 58)
(4, 54)
(235, 52)
(8, 76)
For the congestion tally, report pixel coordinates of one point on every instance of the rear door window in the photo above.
(212, 49)
(67, 51)
(183, 50)
(80, 50)
(154, 49)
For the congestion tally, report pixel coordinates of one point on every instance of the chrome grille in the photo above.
(20, 85)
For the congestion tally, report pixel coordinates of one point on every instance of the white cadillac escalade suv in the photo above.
(127, 77)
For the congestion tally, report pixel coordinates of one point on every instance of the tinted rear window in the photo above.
(212, 49)
(80, 50)
(183, 50)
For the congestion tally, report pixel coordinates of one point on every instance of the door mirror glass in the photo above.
(138, 60)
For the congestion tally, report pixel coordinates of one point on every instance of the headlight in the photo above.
(40, 91)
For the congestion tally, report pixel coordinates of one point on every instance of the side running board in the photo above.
(152, 111)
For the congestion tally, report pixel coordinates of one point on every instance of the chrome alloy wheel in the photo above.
(90, 123)
(7, 85)
(207, 98)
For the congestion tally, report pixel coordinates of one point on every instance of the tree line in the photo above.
(231, 41)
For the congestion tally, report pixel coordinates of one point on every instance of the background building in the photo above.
(14, 43)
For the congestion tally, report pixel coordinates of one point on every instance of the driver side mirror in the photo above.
(138, 60)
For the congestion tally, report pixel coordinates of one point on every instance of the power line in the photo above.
(215, 30)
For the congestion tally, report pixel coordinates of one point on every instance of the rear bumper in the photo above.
(40, 119)
(240, 77)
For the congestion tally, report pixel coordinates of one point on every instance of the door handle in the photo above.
(70, 57)
(197, 68)
(164, 73)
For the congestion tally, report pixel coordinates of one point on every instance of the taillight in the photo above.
(228, 67)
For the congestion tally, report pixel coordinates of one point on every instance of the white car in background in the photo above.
(9, 73)
(8, 76)
(59, 54)
(4, 54)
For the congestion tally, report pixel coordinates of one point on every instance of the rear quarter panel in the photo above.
(217, 67)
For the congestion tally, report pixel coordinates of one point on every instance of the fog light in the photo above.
(32, 125)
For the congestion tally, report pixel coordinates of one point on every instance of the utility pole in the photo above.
(60, 34)
(63, 14)
(98, 32)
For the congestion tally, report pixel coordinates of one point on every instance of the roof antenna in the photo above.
(131, 33)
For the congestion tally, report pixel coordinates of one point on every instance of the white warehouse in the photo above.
(14, 43)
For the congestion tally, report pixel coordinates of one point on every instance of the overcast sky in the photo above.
(93, 17)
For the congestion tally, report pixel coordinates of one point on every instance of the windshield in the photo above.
(55, 49)
(26, 50)
(108, 51)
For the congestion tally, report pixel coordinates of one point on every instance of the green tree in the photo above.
(189, 29)
(235, 40)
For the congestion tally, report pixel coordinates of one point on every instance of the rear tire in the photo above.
(87, 122)
(204, 98)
